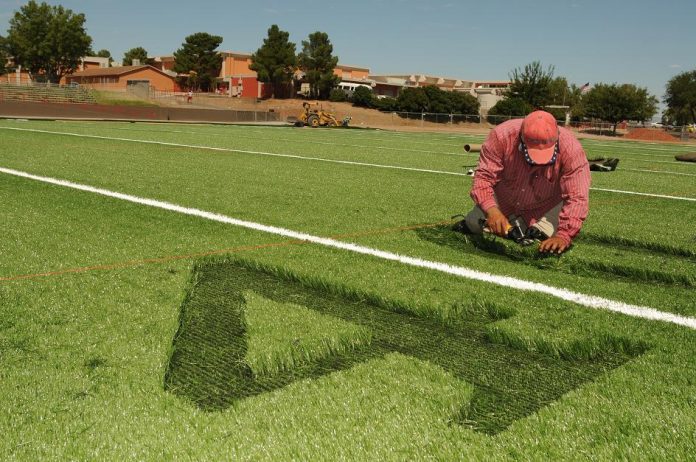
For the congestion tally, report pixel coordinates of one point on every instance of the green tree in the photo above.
(680, 98)
(138, 53)
(532, 84)
(438, 100)
(363, 97)
(338, 96)
(559, 92)
(508, 108)
(387, 104)
(198, 57)
(274, 62)
(318, 63)
(413, 100)
(615, 103)
(103, 53)
(463, 103)
(48, 41)
(3, 55)
(574, 100)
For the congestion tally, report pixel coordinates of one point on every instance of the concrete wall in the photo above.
(16, 109)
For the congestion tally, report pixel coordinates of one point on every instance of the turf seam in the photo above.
(590, 301)
(165, 259)
(568, 263)
(210, 363)
(318, 159)
(631, 243)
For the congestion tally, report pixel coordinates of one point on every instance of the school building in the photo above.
(487, 92)
(19, 76)
(236, 78)
(120, 78)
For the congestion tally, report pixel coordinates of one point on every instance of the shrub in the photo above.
(387, 104)
(463, 103)
(438, 100)
(412, 100)
(338, 96)
(363, 97)
(508, 108)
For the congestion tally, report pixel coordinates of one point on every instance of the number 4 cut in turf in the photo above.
(208, 363)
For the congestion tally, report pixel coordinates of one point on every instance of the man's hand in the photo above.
(497, 222)
(553, 245)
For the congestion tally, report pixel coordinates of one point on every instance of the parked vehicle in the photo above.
(349, 87)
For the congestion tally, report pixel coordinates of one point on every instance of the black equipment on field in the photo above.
(515, 233)
(603, 165)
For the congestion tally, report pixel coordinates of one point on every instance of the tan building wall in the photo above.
(236, 65)
(351, 72)
(112, 80)
(16, 77)
(157, 80)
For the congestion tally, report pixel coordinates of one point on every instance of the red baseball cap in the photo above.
(540, 134)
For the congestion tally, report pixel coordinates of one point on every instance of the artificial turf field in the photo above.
(129, 331)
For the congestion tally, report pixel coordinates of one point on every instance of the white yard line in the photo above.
(297, 140)
(625, 155)
(643, 146)
(666, 172)
(318, 159)
(653, 161)
(692, 199)
(239, 151)
(589, 301)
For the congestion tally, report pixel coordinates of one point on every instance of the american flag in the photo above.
(585, 88)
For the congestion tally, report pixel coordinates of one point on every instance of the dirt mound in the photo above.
(360, 117)
(649, 134)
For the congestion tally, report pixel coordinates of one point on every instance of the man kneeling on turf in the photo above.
(535, 174)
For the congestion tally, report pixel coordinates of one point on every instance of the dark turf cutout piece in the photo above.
(207, 365)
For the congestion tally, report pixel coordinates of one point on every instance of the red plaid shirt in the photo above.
(505, 179)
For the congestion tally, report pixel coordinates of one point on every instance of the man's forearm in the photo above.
(483, 196)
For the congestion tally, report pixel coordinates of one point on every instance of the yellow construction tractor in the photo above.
(318, 118)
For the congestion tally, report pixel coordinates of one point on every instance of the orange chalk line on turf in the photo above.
(144, 261)
(509, 282)
(244, 248)
(296, 157)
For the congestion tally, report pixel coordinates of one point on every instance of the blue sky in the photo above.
(640, 42)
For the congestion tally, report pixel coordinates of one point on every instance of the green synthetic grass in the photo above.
(584, 258)
(359, 198)
(219, 349)
(282, 336)
(83, 356)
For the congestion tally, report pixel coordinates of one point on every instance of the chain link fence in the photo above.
(592, 127)
(45, 93)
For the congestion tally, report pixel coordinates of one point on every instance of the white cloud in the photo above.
(675, 66)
